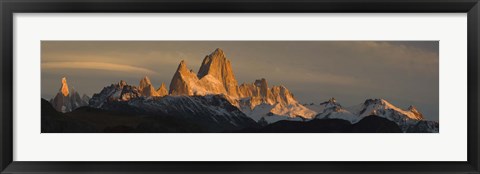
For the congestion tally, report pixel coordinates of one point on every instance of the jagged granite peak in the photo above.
(182, 67)
(144, 82)
(281, 94)
(219, 67)
(146, 88)
(128, 92)
(263, 85)
(64, 87)
(273, 95)
(115, 92)
(149, 91)
(259, 88)
(183, 81)
(216, 77)
(212, 63)
(162, 91)
(67, 99)
(218, 52)
(259, 91)
(248, 90)
(276, 103)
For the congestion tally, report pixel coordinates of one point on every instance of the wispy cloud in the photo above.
(96, 66)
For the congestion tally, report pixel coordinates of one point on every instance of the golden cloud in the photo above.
(96, 66)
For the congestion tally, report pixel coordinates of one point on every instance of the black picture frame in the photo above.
(9, 7)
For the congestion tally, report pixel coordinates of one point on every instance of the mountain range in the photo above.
(213, 100)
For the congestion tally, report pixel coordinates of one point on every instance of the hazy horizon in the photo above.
(402, 72)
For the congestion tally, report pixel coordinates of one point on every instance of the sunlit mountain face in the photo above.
(211, 100)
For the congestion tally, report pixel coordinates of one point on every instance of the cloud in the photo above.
(96, 66)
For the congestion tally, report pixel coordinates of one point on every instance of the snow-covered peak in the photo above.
(331, 103)
(334, 110)
(383, 108)
(279, 99)
(380, 102)
(377, 104)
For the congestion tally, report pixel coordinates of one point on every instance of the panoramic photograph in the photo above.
(239, 87)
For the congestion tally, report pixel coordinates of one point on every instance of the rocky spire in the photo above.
(162, 91)
(280, 94)
(67, 99)
(182, 67)
(248, 90)
(64, 88)
(218, 66)
(144, 82)
(262, 84)
(260, 90)
(183, 80)
(215, 76)
(146, 88)
(213, 64)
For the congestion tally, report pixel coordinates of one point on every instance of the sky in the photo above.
(402, 72)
